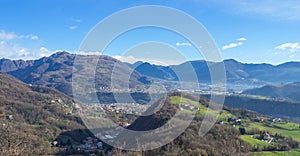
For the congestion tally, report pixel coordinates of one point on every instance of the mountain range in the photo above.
(289, 91)
(56, 71)
(235, 71)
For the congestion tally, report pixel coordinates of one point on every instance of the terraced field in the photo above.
(285, 129)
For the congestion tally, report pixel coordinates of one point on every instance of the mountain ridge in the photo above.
(289, 91)
(56, 71)
(33, 116)
(236, 72)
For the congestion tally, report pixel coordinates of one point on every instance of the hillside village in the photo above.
(255, 132)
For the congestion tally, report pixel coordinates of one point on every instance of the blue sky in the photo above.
(248, 31)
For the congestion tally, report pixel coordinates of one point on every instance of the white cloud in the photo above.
(89, 53)
(292, 56)
(241, 39)
(235, 44)
(7, 35)
(132, 59)
(45, 52)
(232, 45)
(24, 46)
(74, 23)
(292, 47)
(76, 20)
(11, 35)
(33, 37)
(23, 52)
(43, 49)
(73, 27)
(15, 51)
(129, 59)
(183, 44)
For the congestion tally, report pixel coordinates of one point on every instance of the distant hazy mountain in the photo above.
(235, 71)
(290, 91)
(7, 65)
(56, 71)
(156, 71)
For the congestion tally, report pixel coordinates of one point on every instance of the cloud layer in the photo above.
(180, 44)
(292, 47)
(73, 27)
(241, 39)
(15, 46)
(11, 35)
(289, 48)
(234, 44)
(132, 59)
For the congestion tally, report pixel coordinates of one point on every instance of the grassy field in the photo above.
(288, 129)
(287, 126)
(253, 141)
(181, 100)
(295, 134)
(222, 115)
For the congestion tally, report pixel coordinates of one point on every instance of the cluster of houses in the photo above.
(274, 120)
(137, 89)
(232, 121)
(68, 108)
(126, 108)
(190, 107)
(267, 137)
(90, 144)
